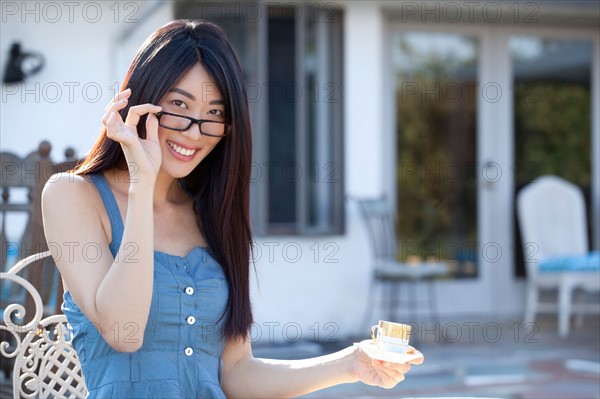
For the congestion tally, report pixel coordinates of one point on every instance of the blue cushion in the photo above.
(582, 263)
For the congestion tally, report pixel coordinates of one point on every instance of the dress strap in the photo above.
(112, 209)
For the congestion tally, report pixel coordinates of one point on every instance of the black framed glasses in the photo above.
(182, 123)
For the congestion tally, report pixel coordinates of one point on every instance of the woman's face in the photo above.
(195, 96)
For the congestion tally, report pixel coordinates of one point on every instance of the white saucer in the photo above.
(369, 347)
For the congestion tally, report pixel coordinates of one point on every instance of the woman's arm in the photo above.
(115, 294)
(249, 377)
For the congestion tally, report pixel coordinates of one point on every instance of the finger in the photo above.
(399, 367)
(119, 105)
(112, 125)
(392, 374)
(121, 95)
(135, 112)
(389, 376)
(124, 93)
(152, 128)
(114, 107)
(418, 360)
(119, 132)
(413, 351)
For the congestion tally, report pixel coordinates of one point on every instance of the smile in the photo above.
(181, 150)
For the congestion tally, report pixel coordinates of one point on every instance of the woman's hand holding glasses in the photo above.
(143, 155)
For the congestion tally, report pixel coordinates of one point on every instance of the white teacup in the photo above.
(392, 337)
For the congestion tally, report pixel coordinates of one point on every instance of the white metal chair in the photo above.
(552, 220)
(46, 365)
(380, 219)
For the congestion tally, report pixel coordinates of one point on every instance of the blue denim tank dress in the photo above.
(181, 353)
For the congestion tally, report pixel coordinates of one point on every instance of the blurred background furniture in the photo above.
(21, 228)
(388, 272)
(45, 363)
(552, 220)
(23, 180)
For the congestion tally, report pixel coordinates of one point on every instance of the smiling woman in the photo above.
(186, 142)
(164, 310)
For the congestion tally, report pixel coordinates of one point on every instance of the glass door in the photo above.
(477, 113)
(552, 115)
(436, 93)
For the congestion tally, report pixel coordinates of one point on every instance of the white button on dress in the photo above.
(191, 320)
(189, 290)
(189, 351)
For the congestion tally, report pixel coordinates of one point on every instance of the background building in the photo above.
(447, 108)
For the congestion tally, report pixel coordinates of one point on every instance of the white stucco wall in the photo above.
(311, 290)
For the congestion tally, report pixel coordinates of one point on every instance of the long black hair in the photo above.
(220, 186)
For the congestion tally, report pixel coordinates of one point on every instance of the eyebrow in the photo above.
(192, 97)
(183, 93)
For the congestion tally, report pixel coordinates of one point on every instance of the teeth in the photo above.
(181, 150)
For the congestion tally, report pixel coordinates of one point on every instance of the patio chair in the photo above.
(552, 220)
(387, 271)
(22, 182)
(23, 179)
(46, 365)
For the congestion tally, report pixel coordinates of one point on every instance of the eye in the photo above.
(216, 112)
(179, 103)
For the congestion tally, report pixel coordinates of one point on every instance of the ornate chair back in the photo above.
(46, 364)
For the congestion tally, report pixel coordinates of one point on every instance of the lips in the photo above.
(185, 151)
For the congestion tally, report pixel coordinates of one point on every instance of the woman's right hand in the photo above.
(143, 155)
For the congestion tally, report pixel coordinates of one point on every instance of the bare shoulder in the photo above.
(67, 188)
(72, 210)
(67, 195)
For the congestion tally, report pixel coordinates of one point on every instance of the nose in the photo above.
(193, 133)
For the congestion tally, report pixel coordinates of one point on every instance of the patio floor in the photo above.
(488, 359)
(495, 360)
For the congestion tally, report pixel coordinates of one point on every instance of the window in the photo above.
(292, 60)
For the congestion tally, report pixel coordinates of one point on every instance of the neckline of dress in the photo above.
(179, 256)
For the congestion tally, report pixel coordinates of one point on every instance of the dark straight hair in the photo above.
(220, 185)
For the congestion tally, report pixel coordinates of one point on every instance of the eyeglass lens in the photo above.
(179, 123)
